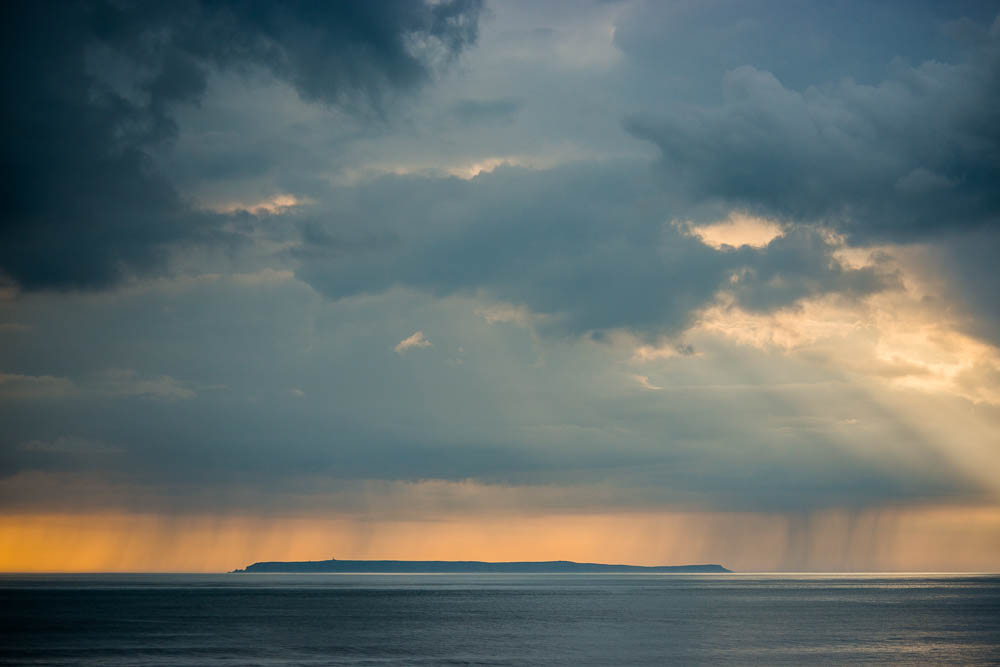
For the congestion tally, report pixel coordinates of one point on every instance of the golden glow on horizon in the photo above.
(928, 539)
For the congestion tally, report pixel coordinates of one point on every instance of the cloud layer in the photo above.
(391, 262)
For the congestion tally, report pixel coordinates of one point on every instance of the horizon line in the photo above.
(731, 572)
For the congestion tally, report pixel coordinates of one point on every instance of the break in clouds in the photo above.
(304, 257)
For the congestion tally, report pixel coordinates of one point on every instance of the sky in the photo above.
(641, 282)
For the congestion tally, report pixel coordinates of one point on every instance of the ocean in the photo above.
(498, 619)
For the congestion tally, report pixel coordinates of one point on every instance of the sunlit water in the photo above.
(497, 619)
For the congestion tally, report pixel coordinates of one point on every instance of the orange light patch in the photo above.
(937, 539)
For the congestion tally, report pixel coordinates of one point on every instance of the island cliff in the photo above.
(465, 566)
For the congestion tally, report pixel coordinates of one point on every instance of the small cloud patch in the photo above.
(128, 382)
(645, 383)
(274, 205)
(416, 339)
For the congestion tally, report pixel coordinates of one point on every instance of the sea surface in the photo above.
(499, 619)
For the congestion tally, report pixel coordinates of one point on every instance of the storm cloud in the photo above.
(89, 90)
(912, 157)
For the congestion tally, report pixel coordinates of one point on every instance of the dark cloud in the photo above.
(88, 92)
(590, 246)
(908, 159)
(797, 265)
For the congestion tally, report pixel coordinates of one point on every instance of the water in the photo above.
(497, 619)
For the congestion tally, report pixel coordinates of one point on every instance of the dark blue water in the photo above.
(497, 619)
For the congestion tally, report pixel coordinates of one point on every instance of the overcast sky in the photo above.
(648, 282)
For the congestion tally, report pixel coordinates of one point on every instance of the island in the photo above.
(465, 567)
